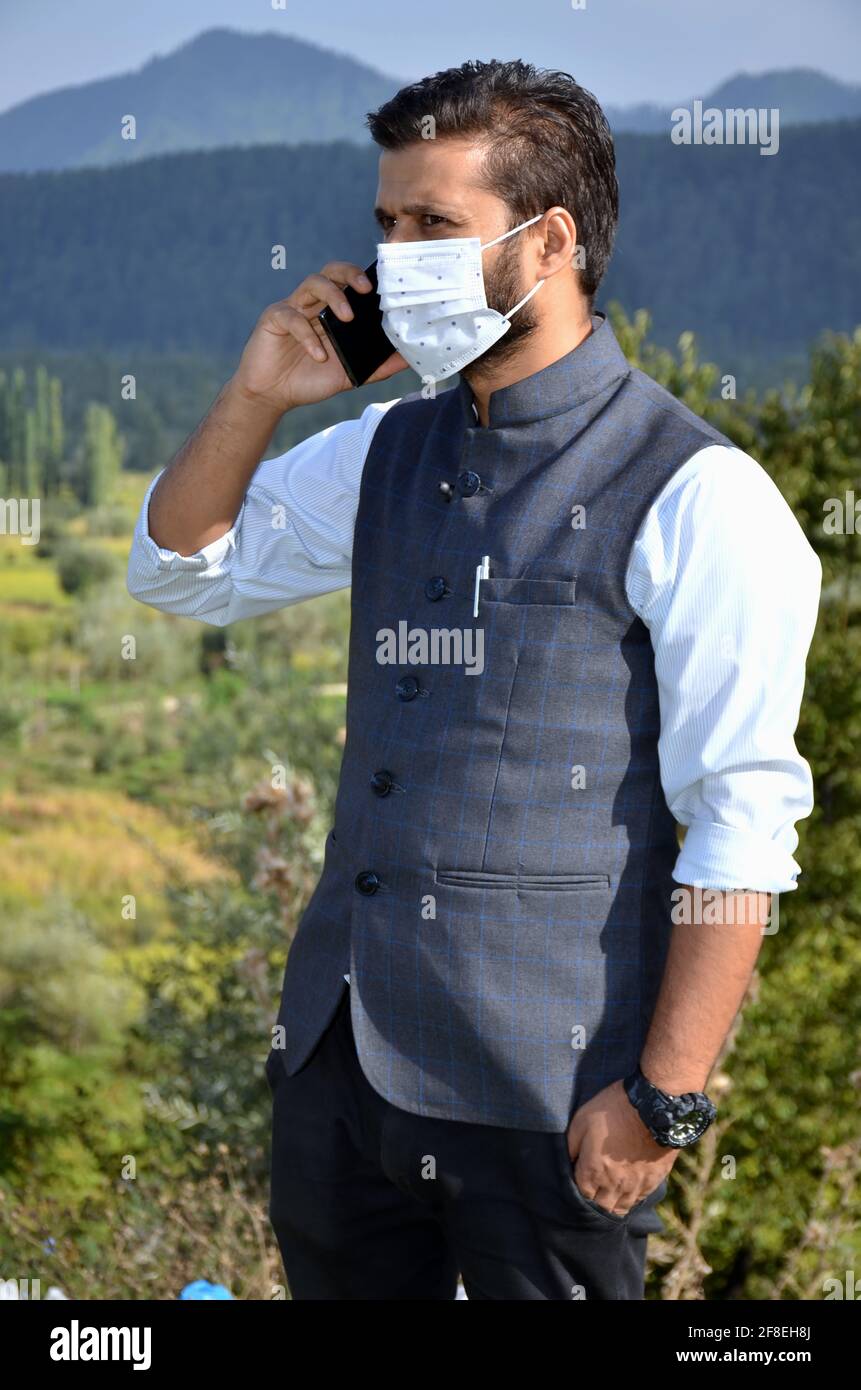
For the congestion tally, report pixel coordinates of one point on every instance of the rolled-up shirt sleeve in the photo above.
(728, 586)
(291, 539)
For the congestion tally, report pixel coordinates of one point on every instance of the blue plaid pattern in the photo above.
(506, 967)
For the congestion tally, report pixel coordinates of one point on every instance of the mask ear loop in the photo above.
(535, 287)
(511, 233)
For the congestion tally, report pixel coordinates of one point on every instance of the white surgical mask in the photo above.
(435, 310)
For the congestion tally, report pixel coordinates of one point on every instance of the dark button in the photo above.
(382, 782)
(407, 688)
(435, 588)
(367, 882)
(468, 483)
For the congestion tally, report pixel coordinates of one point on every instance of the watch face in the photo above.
(674, 1121)
(687, 1130)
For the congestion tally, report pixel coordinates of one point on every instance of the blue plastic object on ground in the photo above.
(201, 1288)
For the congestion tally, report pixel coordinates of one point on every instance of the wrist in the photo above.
(243, 398)
(674, 1078)
(674, 1120)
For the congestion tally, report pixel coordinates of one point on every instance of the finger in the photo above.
(589, 1165)
(598, 1187)
(390, 367)
(318, 290)
(611, 1199)
(345, 273)
(286, 321)
(589, 1185)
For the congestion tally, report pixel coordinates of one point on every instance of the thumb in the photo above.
(390, 367)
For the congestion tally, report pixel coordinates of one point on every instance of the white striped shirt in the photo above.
(720, 573)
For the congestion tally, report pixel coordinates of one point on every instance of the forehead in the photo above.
(432, 171)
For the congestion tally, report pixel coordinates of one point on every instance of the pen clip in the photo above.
(482, 571)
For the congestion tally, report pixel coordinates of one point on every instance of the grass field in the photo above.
(92, 847)
(68, 830)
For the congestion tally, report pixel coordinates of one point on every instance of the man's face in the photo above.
(430, 190)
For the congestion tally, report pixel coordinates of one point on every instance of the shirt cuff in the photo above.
(722, 857)
(208, 557)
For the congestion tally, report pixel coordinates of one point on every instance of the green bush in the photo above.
(110, 520)
(81, 567)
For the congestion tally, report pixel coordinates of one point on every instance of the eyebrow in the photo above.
(419, 210)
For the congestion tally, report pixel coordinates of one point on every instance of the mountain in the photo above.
(226, 88)
(801, 95)
(222, 88)
(756, 255)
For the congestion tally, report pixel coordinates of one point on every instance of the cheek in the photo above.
(502, 279)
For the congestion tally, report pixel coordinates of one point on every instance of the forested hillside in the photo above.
(175, 254)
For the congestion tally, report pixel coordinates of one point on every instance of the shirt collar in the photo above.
(564, 384)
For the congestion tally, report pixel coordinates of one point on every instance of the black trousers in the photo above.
(369, 1201)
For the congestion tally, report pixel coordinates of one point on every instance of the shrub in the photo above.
(80, 567)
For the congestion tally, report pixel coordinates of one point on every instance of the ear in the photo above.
(559, 231)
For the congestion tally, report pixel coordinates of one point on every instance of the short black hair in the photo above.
(549, 144)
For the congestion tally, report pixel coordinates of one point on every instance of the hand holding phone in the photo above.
(290, 359)
(360, 342)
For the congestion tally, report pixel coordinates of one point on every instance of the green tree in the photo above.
(16, 433)
(148, 448)
(32, 472)
(54, 437)
(101, 455)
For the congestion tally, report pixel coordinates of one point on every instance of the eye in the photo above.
(432, 219)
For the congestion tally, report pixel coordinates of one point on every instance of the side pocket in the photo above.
(586, 1204)
(480, 878)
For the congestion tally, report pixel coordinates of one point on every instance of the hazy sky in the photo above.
(624, 50)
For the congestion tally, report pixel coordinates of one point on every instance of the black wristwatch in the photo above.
(675, 1122)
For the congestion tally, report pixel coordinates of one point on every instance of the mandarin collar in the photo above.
(565, 383)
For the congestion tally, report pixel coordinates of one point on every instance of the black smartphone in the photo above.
(360, 342)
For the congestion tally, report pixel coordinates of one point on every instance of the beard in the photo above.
(503, 288)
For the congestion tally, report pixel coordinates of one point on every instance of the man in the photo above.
(579, 615)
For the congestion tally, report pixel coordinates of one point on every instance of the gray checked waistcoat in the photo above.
(497, 881)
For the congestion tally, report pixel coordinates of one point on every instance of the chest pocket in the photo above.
(525, 620)
(532, 592)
